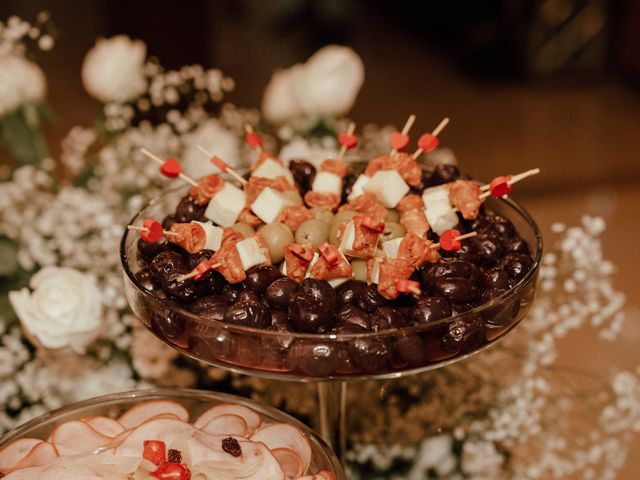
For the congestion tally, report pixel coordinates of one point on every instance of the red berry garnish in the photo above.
(499, 186)
(171, 471)
(346, 140)
(428, 142)
(448, 240)
(170, 168)
(154, 232)
(398, 141)
(253, 140)
(154, 451)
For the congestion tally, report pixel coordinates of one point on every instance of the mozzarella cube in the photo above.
(213, 235)
(226, 205)
(374, 277)
(357, 188)
(441, 217)
(268, 205)
(435, 195)
(251, 253)
(388, 186)
(327, 182)
(391, 247)
(348, 237)
(272, 169)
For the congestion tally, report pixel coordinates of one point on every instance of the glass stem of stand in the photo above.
(332, 399)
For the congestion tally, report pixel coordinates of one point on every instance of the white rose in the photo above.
(216, 139)
(21, 81)
(314, 152)
(325, 86)
(113, 69)
(63, 310)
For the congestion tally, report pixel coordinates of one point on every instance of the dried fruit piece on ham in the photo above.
(367, 204)
(255, 186)
(417, 250)
(249, 218)
(330, 265)
(294, 215)
(297, 259)
(206, 189)
(409, 202)
(392, 269)
(328, 201)
(335, 166)
(465, 196)
(415, 221)
(190, 236)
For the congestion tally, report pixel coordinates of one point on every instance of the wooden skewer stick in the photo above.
(436, 131)
(344, 148)
(514, 179)
(195, 273)
(249, 129)
(135, 228)
(222, 165)
(407, 126)
(458, 238)
(161, 162)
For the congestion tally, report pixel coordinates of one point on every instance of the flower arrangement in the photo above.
(66, 333)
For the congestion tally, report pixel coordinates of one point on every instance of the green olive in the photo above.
(244, 228)
(343, 216)
(276, 235)
(359, 268)
(312, 231)
(339, 218)
(322, 214)
(293, 196)
(393, 215)
(392, 230)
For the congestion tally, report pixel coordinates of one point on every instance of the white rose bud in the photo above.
(63, 310)
(21, 81)
(325, 86)
(113, 69)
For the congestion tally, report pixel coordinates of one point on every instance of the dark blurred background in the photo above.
(547, 83)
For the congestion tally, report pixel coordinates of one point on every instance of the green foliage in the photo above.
(21, 134)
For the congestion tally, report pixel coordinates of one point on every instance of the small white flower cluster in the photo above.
(21, 81)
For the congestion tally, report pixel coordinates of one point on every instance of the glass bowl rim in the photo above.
(331, 337)
(177, 394)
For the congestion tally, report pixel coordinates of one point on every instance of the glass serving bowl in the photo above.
(312, 357)
(195, 401)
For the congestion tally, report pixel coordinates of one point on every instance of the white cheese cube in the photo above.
(268, 205)
(250, 253)
(388, 186)
(348, 237)
(272, 169)
(374, 277)
(213, 235)
(391, 247)
(357, 188)
(226, 205)
(435, 195)
(441, 217)
(327, 182)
